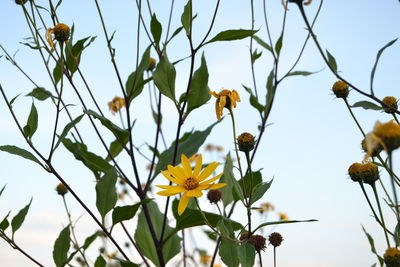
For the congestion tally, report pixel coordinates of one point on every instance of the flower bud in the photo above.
(214, 196)
(340, 89)
(258, 241)
(389, 134)
(375, 150)
(21, 2)
(275, 239)
(61, 32)
(246, 142)
(61, 189)
(392, 257)
(152, 64)
(391, 104)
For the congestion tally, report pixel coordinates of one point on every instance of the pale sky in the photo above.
(307, 150)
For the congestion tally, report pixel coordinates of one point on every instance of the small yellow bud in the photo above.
(340, 89)
(391, 104)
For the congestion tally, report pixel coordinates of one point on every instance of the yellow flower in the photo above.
(392, 257)
(386, 134)
(366, 172)
(205, 259)
(225, 99)
(283, 216)
(61, 33)
(116, 104)
(189, 182)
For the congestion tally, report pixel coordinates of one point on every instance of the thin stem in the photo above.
(354, 117)
(251, 50)
(395, 118)
(396, 203)
(274, 256)
(380, 213)
(134, 244)
(211, 25)
(169, 20)
(251, 188)
(260, 259)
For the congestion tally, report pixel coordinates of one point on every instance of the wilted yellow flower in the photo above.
(61, 33)
(225, 99)
(205, 259)
(283, 216)
(387, 134)
(189, 182)
(116, 104)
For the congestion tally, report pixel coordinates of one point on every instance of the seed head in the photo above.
(364, 172)
(214, 196)
(61, 189)
(389, 135)
(340, 89)
(392, 257)
(246, 142)
(391, 104)
(275, 239)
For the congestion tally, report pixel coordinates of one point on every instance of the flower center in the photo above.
(191, 184)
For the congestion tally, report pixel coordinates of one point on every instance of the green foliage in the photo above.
(106, 193)
(246, 253)
(281, 222)
(372, 244)
(74, 52)
(18, 219)
(20, 152)
(32, 123)
(4, 223)
(127, 212)
(66, 130)
(278, 45)
(61, 247)
(228, 177)
(186, 17)
(189, 144)
(144, 239)
(198, 94)
(121, 134)
(270, 89)
(262, 43)
(228, 251)
(249, 182)
(164, 77)
(134, 84)
(156, 29)
(366, 105)
(100, 262)
(58, 70)
(331, 61)
(253, 100)
(259, 191)
(40, 93)
(231, 35)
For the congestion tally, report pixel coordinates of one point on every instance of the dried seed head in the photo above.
(275, 239)
(214, 196)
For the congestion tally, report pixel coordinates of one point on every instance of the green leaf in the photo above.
(90, 239)
(1, 191)
(134, 84)
(366, 105)
(270, 89)
(372, 245)
(192, 217)
(20, 152)
(100, 262)
(332, 61)
(40, 93)
(14, 98)
(228, 251)
(198, 93)
(300, 72)
(248, 182)
(90, 160)
(186, 17)
(164, 77)
(278, 45)
(227, 177)
(126, 212)
(231, 35)
(253, 100)
(262, 43)
(120, 134)
(74, 53)
(144, 240)
(67, 128)
(259, 191)
(247, 254)
(18, 219)
(106, 193)
(32, 123)
(61, 247)
(125, 263)
(189, 144)
(376, 63)
(4, 223)
(281, 222)
(156, 29)
(255, 55)
(58, 70)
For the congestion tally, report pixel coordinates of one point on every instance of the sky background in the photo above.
(307, 149)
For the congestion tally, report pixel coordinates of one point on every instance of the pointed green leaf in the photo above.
(14, 98)
(259, 191)
(227, 177)
(366, 105)
(255, 55)
(278, 45)
(198, 94)
(376, 63)
(120, 134)
(18, 219)
(58, 70)
(67, 128)
(40, 93)
(61, 247)
(262, 43)
(1, 191)
(331, 61)
(156, 29)
(74, 53)
(125, 213)
(106, 193)
(228, 251)
(4, 223)
(100, 262)
(145, 242)
(247, 254)
(186, 17)
(90, 239)
(248, 181)
(231, 35)
(20, 152)
(372, 244)
(164, 77)
(303, 73)
(32, 123)
(134, 84)
(270, 89)
(282, 222)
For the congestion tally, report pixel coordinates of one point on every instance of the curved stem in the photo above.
(380, 213)
(354, 117)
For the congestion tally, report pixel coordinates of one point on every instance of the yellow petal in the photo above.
(207, 171)
(236, 96)
(211, 186)
(183, 202)
(197, 168)
(214, 94)
(179, 175)
(173, 190)
(217, 110)
(186, 166)
(212, 179)
(222, 103)
(168, 176)
(194, 193)
(172, 187)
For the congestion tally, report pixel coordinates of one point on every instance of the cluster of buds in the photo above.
(258, 241)
(364, 172)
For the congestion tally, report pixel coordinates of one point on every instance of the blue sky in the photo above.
(307, 150)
